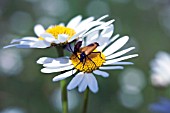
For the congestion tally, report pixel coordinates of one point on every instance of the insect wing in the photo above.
(77, 47)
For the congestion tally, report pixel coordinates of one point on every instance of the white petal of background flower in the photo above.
(41, 44)
(160, 69)
(116, 45)
(64, 75)
(62, 38)
(83, 24)
(101, 73)
(75, 81)
(163, 55)
(103, 38)
(31, 39)
(61, 24)
(76, 35)
(74, 22)
(13, 45)
(160, 80)
(39, 29)
(48, 37)
(99, 27)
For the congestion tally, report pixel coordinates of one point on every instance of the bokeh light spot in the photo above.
(10, 62)
(97, 8)
(21, 22)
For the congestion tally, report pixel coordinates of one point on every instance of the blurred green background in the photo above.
(24, 89)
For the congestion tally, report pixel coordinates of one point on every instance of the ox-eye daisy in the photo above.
(60, 34)
(105, 58)
(160, 73)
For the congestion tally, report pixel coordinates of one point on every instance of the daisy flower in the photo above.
(160, 73)
(60, 34)
(103, 58)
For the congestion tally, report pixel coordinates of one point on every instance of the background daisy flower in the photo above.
(108, 58)
(160, 73)
(60, 34)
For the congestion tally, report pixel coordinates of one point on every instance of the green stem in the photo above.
(85, 101)
(64, 96)
(63, 84)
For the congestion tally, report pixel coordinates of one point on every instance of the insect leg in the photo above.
(92, 61)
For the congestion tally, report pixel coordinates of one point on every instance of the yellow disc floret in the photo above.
(90, 63)
(56, 30)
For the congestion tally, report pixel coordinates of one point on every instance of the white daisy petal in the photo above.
(92, 37)
(48, 37)
(74, 22)
(32, 39)
(111, 67)
(119, 53)
(61, 24)
(44, 60)
(62, 38)
(51, 26)
(101, 73)
(39, 29)
(114, 38)
(119, 59)
(83, 84)
(123, 63)
(75, 81)
(28, 43)
(57, 64)
(83, 24)
(108, 31)
(8, 46)
(64, 75)
(47, 60)
(92, 83)
(102, 26)
(116, 46)
(107, 42)
(76, 36)
(17, 45)
(101, 18)
(52, 70)
(41, 44)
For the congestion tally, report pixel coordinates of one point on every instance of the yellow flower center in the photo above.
(56, 30)
(90, 62)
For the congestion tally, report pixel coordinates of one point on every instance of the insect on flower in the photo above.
(85, 52)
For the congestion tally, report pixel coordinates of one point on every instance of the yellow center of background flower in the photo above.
(56, 30)
(90, 63)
